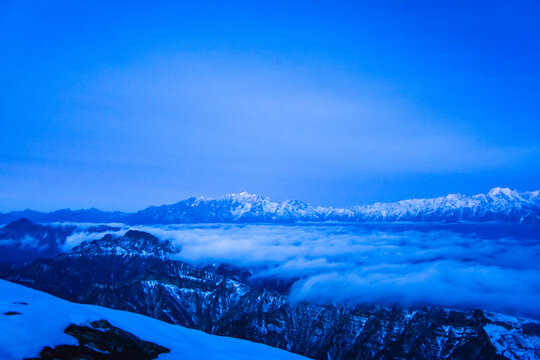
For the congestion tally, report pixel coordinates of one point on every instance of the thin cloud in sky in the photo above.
(119, 106)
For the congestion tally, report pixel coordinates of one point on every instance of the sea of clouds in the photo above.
(485, 267)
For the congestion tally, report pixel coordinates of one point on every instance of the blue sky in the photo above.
(120, 105)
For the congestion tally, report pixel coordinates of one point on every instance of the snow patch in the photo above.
(43, 320)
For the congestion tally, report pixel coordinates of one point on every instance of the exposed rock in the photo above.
(99, 340)
(12, 313)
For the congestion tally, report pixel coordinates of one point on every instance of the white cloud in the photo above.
(350, 264)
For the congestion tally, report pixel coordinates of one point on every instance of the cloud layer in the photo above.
(488, 266)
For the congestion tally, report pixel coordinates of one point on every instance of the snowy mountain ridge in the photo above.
(499, 204)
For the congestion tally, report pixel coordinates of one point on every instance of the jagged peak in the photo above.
(243, 196)
(455, 196)
(499, 192)
(133, 242)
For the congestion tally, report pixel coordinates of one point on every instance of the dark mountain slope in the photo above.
(132, 273)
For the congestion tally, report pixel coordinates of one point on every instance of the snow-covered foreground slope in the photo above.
(40, 320)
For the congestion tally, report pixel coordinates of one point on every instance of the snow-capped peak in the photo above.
(244, 196)
(499, 192)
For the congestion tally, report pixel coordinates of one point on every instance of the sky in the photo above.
(121, 105)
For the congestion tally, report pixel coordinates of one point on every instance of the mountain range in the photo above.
(499, 204)
(134, 272)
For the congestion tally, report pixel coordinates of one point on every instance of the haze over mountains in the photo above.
(499, 204)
